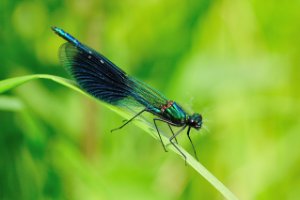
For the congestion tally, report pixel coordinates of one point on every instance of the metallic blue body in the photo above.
(102, 79)
(66, 36)
(111, 84)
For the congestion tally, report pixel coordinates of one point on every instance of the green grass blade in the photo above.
(10, 103)
(11, 83)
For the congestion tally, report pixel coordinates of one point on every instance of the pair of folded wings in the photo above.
(104, 80)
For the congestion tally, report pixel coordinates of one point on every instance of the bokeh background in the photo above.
(236, 62)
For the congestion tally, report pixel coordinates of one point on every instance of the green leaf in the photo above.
(11, 83)
(10, 103)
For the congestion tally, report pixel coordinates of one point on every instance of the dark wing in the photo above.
(94, 73)
(104, 80)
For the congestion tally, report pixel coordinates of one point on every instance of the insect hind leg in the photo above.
(154, 121)
(173, 137)
(174, 145)
(127, 121)
(173, 133)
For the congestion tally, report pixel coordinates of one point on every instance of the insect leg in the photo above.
(171, 141)
(128, 120)
(188, 134)
(173, 136)
(172, 133)
(154, 120)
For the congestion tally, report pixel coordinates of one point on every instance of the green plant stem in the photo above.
(11, 83)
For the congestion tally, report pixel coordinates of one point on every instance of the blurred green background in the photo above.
(236, 62)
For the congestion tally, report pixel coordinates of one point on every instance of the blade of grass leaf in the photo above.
(10, 103)
(11, 83)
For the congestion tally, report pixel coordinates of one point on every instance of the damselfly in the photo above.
(99, 77)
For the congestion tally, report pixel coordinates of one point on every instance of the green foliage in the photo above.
(237, 63)
(142, 123)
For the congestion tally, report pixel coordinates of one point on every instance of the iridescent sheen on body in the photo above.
(101, 78)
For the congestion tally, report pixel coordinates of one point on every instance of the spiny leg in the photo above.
(172, 133)
(154, 120)
(129, 120)
(188, 134)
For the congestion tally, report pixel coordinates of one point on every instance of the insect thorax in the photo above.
(174, 113)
